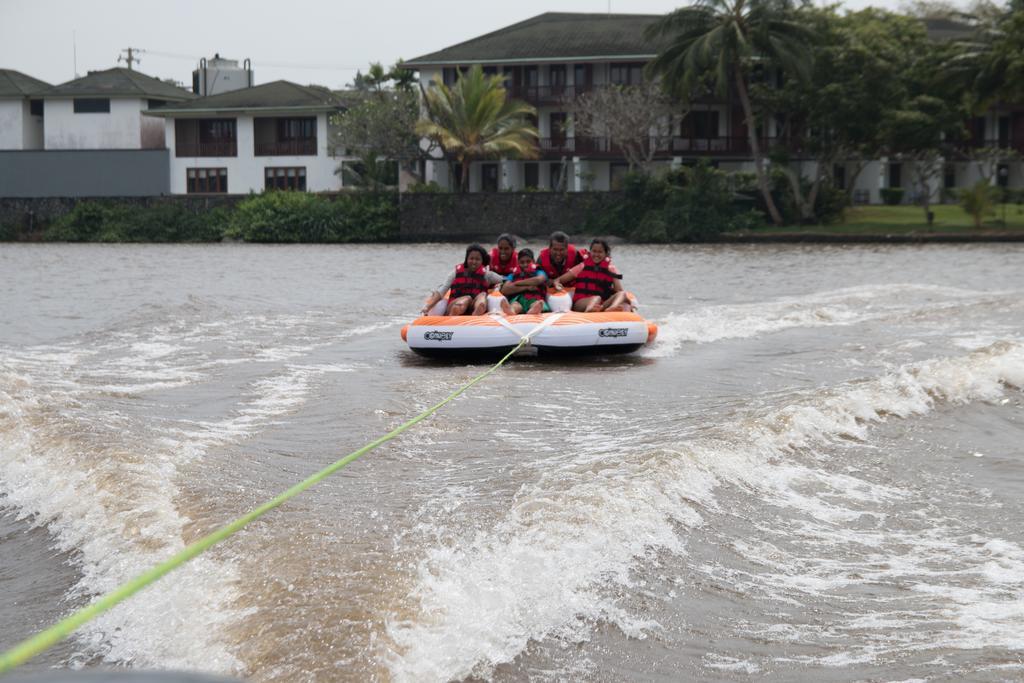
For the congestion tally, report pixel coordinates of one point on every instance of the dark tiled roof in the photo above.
(118, 82)
(274, 95)
(16, 84)
(553, 35)
(942, 30)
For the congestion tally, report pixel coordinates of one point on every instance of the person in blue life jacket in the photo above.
(467, 285)
(598, 283)
(526, 288)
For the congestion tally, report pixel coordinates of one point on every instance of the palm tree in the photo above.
(718, 42)
(475, 120)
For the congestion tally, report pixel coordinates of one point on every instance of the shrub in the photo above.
(685, 205)
(979, 200)
(105, 221)
(891, 195)
(302, 217)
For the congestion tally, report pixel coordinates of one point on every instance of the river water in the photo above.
(815, 473)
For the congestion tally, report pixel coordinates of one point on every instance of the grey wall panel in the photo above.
(85, 173)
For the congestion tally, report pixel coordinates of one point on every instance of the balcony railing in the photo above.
(995, 143)
(547, 94)
(285, 148)
(667, 147)
(206, 149)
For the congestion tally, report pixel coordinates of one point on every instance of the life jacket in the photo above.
(596, 279)
(572, 257)
(504, 269)
(467, 283)
(537, 293)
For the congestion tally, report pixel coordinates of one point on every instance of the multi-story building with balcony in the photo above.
(275, 135)
(551, 58)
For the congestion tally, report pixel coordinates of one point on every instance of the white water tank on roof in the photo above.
(218, 75)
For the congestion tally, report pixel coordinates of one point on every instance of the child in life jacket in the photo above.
(525, 289)
(598, 282)
(467, 285)
(504, 257)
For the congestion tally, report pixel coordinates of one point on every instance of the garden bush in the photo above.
(302, 217)
(891, 195)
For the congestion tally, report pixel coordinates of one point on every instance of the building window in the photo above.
(285, 179)
(489, 177)
(556, 77)
(35, 107)
(92, 105)
(153, 104)
(531, 175)
(616, 174)
(949, 177)
(626, 73)
(839, 176)
(206, 180)
(556, 180)
(205, 138)
(895, 175)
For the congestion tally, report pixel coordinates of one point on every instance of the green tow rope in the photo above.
(43, 640)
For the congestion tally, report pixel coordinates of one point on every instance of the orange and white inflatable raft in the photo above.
(560, 332)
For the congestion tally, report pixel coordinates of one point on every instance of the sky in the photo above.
(306, 41)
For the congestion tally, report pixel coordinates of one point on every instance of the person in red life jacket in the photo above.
(598, 282)
(559, 256)
(467, 286)
(504, 256)
(526, 291)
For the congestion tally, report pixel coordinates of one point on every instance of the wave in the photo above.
(570, 543)
(105, 483)
(846, 306)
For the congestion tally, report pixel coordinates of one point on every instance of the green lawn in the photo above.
(874, 219)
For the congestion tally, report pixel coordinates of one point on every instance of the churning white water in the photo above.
(814, 474)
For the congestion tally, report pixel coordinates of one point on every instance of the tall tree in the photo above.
(638, 119)
(475, 119)
(380, 121)
(835, 116)
(720, 41)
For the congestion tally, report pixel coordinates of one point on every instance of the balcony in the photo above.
(547, 94)
(994, 143)
(603, 148)
(206, 149)
(286, 148)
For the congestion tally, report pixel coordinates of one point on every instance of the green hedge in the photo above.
(268, 217)
(301, 217)
(105, 221)
(891, 195)
(691, 204)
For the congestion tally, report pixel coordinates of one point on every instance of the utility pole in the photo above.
(131, 58)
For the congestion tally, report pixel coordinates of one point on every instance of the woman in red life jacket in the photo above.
(467, 286)
(526, 291)
(598, 282)
(559, 256)
(504, 256)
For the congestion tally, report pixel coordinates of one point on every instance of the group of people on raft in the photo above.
(524, 280)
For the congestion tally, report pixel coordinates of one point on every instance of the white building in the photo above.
(552, 58)
(87, 137)
(103, 110)
(21, 111)
(275, 135)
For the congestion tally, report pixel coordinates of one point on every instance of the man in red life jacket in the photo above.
(598, 282)
(526, 290)
(559, 256)
(467, 285)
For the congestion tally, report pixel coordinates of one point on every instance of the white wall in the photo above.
(33, 128)
(118, 129)
(246, 171)
(12, 124)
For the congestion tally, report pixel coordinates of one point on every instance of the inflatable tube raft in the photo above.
(561, 332)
